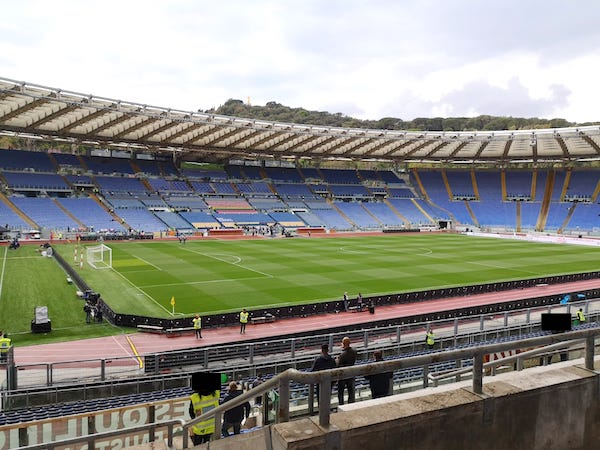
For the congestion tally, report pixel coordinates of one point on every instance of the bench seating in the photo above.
(150, 328)
(262, 319)
(177, 331)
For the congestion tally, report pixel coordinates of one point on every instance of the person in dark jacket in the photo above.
(323, 362)
(345, 359)
(233, 417)
(380, 383)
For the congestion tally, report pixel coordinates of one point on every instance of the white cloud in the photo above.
(365, 59)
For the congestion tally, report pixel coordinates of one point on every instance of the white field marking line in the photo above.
(200, 282)
(346, 250)
(126, 350)
(3, 267)
(268, 275)
(147, 262)
(144, 293)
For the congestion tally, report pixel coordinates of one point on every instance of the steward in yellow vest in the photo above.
(201, 402)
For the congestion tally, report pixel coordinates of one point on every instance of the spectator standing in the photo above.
(380, 383)
(243, 321)
(233, 417)
(87, 309)
(5, 343)
(580, 317)
(345, 301)
(345, 359)
(323, 362)
(197, 322)
(359, 301)
(430, 339)
(201, 401)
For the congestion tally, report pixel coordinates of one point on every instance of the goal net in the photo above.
(99, 256)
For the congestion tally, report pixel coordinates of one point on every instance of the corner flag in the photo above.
(173, 304)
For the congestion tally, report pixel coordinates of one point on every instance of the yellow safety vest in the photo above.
(580, 316)
(244, 317)
(430, 339)
(202, 404)
(197, 322)
(4, 344)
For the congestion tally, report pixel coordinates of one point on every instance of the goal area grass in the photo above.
(171, 279)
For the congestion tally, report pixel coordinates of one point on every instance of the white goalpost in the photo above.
(99, 256)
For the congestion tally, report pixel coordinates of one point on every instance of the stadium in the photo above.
(156, 214)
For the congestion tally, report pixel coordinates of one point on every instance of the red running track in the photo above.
(144, 343)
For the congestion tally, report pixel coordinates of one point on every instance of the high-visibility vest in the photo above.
(4, 344)
(202, 404)
(244, 317)
(580, 316)
(197, 322)
(430, 339)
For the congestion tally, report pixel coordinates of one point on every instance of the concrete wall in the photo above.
(548, 407)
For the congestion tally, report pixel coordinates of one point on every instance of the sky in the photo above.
(364, 59)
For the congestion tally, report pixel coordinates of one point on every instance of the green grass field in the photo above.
(211, 276)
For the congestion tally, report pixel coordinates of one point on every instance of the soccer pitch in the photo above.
(216, 276)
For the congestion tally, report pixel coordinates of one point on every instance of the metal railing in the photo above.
(91, 439)
(326, 377)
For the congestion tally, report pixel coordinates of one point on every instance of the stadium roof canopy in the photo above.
(54, 114)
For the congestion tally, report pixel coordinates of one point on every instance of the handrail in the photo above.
(518, 358)
(325, 377)
(91, 439)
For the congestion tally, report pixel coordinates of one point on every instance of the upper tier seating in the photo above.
(27, 181)
(80, 180)
(284, 174)
(207, 175)
(288, 190)
(310, 173)
(191, 202)
(25, 160)
(349, 191)
(518, 183)
(67, 160)
(251, 173)
(120, 184)
(107, 166)
(460, 183)
(267, 204)
(582, 184)
(224, 188)
(166, 186)
(254, 187)
(340, 176)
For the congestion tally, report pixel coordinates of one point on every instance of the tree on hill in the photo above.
(276, 112)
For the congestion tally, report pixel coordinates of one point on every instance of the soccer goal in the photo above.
(99, 256)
